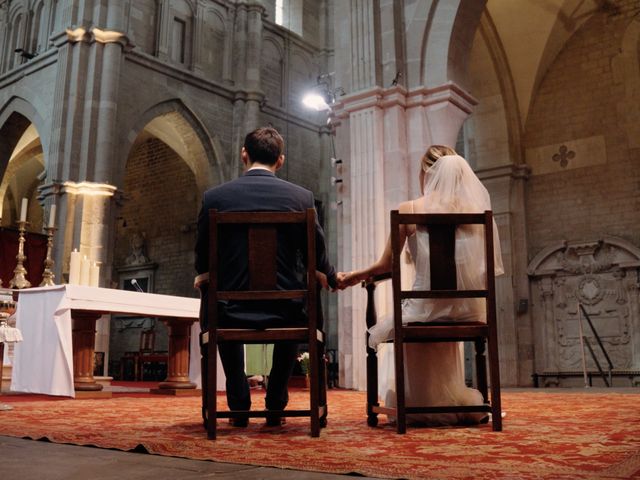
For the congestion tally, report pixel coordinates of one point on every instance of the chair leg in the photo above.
(496, 403)
(204, 366)
(212, 373)
(481, 368)
(372, 386)
(401, 416)
(314, 367)
(323, 385)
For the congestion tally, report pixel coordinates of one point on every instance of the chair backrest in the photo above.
(262, 247)
(147, 340)
(442, 247)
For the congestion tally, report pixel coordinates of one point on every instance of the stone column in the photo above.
(363, 226)
(112, 44)
(255, 12)
(550, 343)
(248, 51)
(198, 31)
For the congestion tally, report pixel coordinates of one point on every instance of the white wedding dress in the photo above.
(434, 372)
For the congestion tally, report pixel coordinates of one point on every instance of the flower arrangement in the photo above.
(303, 358)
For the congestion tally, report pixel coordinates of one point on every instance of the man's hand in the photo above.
(321, 278)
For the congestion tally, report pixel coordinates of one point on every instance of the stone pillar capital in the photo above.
(87, 188)
(446, 94)
(94, 35)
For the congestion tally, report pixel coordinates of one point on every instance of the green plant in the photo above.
(304, 360)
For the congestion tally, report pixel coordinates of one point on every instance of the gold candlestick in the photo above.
(48, 275)
(19, 279)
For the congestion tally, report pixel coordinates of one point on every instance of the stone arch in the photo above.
(513, 130)
(15, 117)
(447, 29)
(21, 180)
(21, 159)
(166, 119)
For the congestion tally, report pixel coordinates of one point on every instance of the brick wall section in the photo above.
(578, 98)
(161, 200)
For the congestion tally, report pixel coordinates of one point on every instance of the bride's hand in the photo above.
(347, 279)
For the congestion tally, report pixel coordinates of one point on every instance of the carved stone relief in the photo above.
(601, 275)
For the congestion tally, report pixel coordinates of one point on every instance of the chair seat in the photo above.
(444, 331)
(267, 335)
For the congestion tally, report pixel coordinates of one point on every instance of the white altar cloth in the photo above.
(43, 362)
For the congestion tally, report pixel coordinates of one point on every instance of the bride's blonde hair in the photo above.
(433, 153)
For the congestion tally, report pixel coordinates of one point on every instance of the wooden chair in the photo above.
(148, 353)
(441, 229)
(262, 232)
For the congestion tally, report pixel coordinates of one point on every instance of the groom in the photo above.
(257, 190)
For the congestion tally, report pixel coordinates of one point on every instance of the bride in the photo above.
(434, 372)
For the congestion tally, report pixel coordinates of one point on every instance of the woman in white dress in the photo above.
(434, 373)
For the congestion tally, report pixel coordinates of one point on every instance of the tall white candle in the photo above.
(52, 216)
(85, 266)
(74, 268)
(94, 275)
(23, 210)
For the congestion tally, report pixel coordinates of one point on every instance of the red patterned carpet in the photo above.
(546, 435)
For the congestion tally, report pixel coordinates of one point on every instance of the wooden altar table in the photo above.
(59, 324)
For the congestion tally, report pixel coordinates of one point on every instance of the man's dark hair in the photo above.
(264, 145)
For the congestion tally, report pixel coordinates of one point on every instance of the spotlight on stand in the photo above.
(315, 100)
(335, 181)
(322, 95)
(335, 161)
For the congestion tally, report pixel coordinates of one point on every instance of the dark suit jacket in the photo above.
(257, 190)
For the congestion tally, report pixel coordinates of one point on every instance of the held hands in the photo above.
(347, 279)
(344, 279)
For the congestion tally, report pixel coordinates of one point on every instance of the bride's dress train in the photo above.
(434, 372)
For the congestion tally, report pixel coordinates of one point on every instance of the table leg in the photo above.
(177, 380)
(84, 339)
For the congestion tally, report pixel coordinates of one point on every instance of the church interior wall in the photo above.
(161, 202)
(486, 138)
(584, 175)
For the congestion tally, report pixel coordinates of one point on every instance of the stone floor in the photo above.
(22, 459)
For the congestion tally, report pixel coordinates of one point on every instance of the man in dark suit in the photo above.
(258, 190)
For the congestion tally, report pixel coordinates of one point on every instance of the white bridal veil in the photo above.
(450, 187)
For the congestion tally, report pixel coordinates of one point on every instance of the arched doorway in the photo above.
(166, 171)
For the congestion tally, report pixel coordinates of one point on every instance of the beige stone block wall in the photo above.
(596, 191)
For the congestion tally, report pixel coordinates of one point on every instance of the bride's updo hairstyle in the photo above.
(434, 152)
